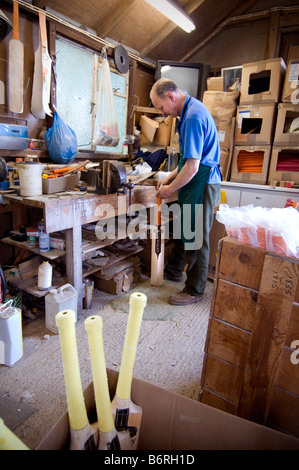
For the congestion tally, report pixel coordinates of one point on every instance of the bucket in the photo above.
(63, 298)
(30, 177)
(11, 338)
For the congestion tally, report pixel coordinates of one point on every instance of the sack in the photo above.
(106, 126)
(61, 141)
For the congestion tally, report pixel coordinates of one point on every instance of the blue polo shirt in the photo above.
(199, 138)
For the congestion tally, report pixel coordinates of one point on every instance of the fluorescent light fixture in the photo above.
(174, 13)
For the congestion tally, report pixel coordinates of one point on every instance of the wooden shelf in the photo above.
(52, 254)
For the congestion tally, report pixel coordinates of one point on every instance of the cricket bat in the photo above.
(83, 436)
(16, 66)
(109, 438)
(157, 251)
(128, 414)
(8, 440)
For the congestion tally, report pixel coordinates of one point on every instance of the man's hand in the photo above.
(164, 191)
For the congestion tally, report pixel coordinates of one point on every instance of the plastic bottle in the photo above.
(43, 238)
(65, 297)
(44, 281)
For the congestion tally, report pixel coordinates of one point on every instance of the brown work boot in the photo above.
(183, 298)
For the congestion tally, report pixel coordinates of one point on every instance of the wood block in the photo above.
(276, 296)
(223, 379)
(228, 343)
(29, 268)
(235, 304)
(241, 264)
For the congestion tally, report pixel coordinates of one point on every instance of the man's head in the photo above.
(167, 97)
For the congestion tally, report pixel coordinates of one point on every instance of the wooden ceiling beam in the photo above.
(168, 28)
(217, 28)
(120, 14)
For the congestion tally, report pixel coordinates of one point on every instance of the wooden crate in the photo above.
(254, 320)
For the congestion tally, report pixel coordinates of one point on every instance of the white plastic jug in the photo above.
(11, 337)
(65, 297)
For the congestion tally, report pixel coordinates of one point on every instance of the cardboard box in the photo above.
(215, 84)
(225, 130)
(259, 156)
(255, 124)
(284, 164)
(60, 184)
(262, 81)
(225, 162)
(290, 91)
(156, 131)
(221, 104)
(119, 277)
(287, 125)
(173, 422)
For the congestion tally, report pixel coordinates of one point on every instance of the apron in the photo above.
(191, 194)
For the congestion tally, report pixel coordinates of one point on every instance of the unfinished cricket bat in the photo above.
(109, 438)
(83, 435)
(157, 250)
(128, 414)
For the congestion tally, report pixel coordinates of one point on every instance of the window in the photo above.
(75, 91)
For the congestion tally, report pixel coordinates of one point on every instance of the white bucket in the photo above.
(63, 298)
(30, 177)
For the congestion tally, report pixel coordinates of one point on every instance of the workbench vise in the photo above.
(108, 177)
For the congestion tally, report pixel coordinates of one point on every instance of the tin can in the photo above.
(88, 288)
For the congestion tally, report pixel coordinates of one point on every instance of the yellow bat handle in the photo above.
(8, 440)
(93, 327)
(65, 321)
(137, 304)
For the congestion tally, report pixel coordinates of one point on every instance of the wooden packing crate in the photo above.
(249, 368)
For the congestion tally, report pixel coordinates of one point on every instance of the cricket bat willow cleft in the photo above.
(83, 435)
(128, 414)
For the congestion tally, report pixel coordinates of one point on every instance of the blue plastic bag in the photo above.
(61, 141)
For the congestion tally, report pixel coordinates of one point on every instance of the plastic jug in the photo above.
(65, 297)
(11, 337)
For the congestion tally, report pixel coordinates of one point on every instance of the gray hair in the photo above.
(162, 86)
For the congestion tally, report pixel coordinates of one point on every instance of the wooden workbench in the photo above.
(69, 211)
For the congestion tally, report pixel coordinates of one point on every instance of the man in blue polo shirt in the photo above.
(197, 180)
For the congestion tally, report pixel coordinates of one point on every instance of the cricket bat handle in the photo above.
(137, 304)
(65, 321)
(93, 327)
(8, 440)
(15, 21)
(159, 201)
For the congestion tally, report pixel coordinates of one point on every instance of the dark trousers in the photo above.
(197, 261)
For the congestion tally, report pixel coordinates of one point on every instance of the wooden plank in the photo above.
(235, 304)
(293, 329)
(277, 290)
(241, 264)
(223, 379)
(284, 412)
(212, 399)
(228, 343)
(287, 377)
